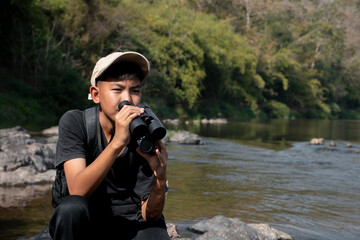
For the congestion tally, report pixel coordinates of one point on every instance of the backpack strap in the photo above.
(92, 126)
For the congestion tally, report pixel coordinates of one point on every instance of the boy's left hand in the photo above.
(157, 161)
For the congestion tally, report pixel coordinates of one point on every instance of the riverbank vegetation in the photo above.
(209, 58)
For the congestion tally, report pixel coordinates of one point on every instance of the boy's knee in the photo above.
(71, 218)
(73, 207)
(152, 233)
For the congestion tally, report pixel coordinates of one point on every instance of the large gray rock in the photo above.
(23, 160)
(52, 131)
(16, 136)
(214, 121)
(21, 196)
(175, 122)
(220, 227)
(267, 232)
(184, 137)
(26, 176)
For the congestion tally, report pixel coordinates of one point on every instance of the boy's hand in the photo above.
(122, 122)
(157, 161)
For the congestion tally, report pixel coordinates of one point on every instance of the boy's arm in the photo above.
(152, 208)
(83, 180)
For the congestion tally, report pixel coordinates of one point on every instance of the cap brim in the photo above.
(106, 62)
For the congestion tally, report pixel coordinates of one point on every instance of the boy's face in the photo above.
(113, 91)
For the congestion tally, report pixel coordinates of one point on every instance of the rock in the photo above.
(317, 141)
(21, 196)
(214, 121)
(172, 231)
(52, 131)
(166, 139)
(184, 137)
(267, 232)
(205, 121)
(15, 136)
(23, 160)
(196, 122)
(174, 122)
(53, 140)
(26, 176)
(341, 147)
(220, 227)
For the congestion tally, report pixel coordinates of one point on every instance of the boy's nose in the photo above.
(127, 97)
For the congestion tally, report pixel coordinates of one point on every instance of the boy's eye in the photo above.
(136, 90)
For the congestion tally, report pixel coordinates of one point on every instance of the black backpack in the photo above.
(92, 126)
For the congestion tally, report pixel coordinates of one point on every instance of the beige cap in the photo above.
(105, 62)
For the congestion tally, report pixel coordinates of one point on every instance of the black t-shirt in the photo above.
(128, 182)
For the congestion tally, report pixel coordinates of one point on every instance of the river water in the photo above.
(259, 171)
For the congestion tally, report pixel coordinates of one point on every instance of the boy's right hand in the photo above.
(122, 122)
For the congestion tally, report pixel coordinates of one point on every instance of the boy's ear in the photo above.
(94, 91)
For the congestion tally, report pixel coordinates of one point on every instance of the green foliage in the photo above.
(281, 33)
(168, 39)
(275, 109)
(350, 114)
(184, 47)
(208, 58)
(20, 103)
(233, 60)
(160, 108)
(335, 109)
(64, 89)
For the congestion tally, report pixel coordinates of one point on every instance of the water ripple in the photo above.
(311, 192)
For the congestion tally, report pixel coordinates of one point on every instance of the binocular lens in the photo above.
(157, 130)
(145, 145)
(138, 127)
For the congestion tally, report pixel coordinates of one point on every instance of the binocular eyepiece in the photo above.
(146, 128)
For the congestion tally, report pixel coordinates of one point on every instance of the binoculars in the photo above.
(146, 128)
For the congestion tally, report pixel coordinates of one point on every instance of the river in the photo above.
(259, 171)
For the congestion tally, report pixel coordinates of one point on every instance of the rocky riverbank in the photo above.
(204, 121)
(25, 160)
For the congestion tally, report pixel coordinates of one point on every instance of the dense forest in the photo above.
(209, 58)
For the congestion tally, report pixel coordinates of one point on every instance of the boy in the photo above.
(115, 190)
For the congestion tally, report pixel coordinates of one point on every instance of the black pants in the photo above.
(73, 219)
